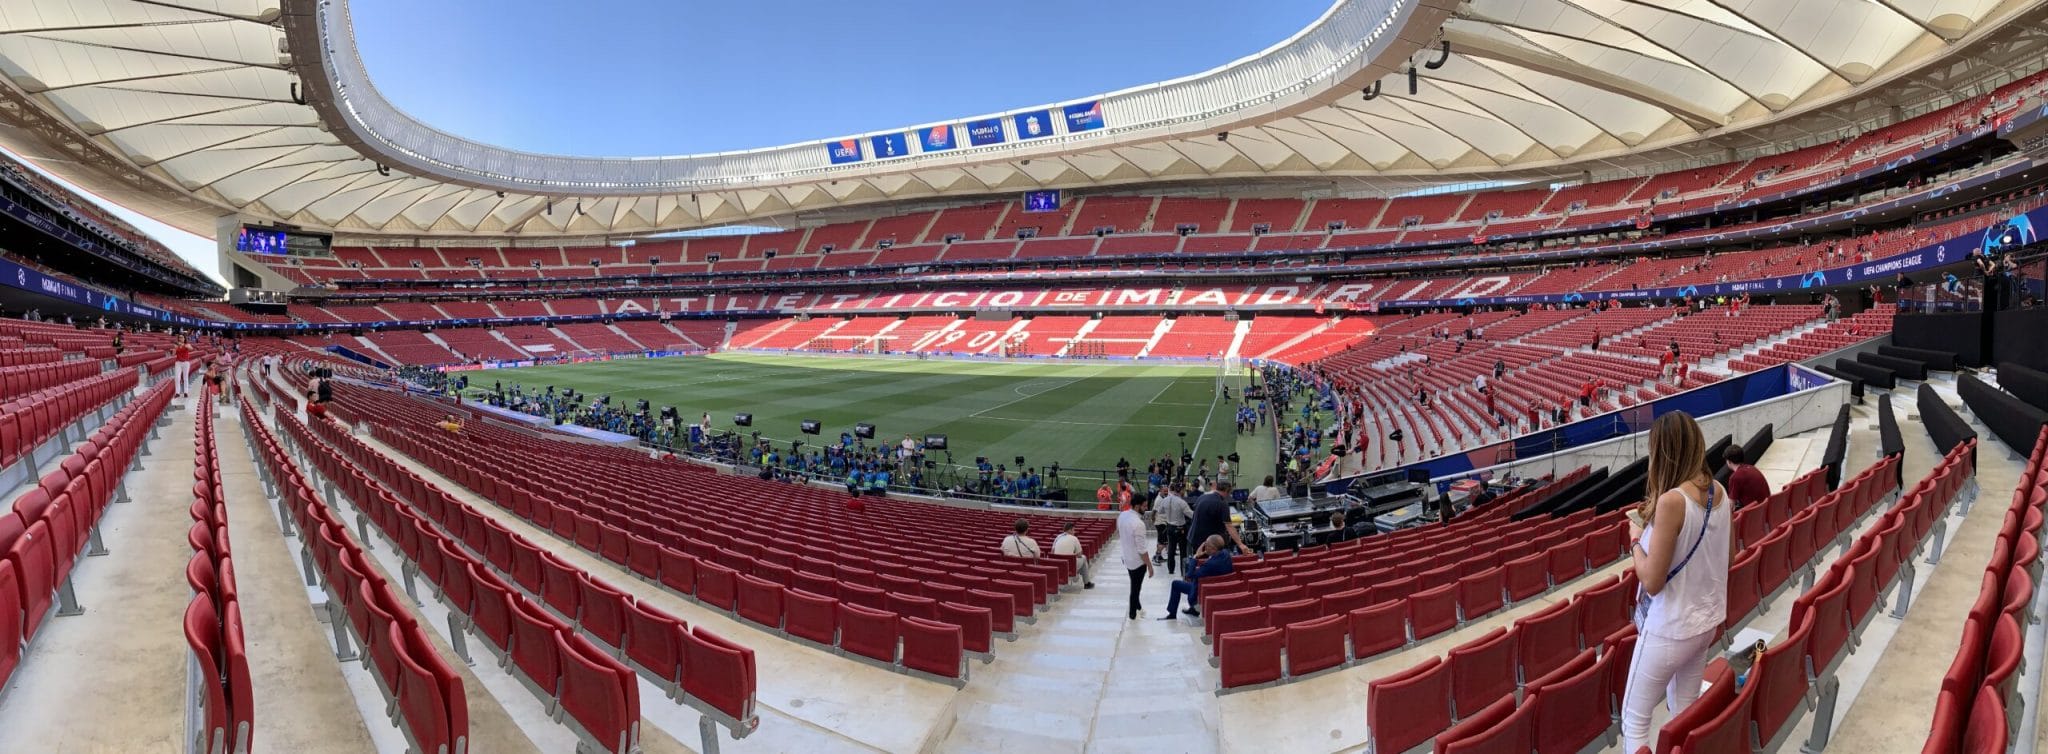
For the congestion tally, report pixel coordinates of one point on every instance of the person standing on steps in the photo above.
(1679, 550)
(1130, 545)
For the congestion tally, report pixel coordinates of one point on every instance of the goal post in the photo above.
(1228, 367)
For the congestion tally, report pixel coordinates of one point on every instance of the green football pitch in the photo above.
(1079, 415)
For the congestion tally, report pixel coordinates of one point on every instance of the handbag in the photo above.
(1642, 611)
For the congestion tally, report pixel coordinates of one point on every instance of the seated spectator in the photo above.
(449, 423)
(1266, 491)
(1019, 545)
(1745, 483)
(1068, 544)
(1339, 531)
(1210, 560)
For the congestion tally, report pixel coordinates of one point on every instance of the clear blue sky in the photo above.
(654, 77)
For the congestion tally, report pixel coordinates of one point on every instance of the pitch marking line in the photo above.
(1023, 396)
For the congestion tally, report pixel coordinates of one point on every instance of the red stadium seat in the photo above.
(1567, 561)
(1987, 731)
(1743, 592)
(716, 585)
(1433, 611)
(1482, 671)
(1603, 609)
(1405, 709)
(1546, 640)
(1501, 728)
(719, 673)
(1717, 721)
(1250, 657)
(430, 694)
(1282, 614)
(599, 694)
(868, 632)
(932, 647)
(533, 644)
(1527, 576)
(604, 610)
(1228, 621)
(1379, 628)
(1315, 645)
(1480, 594)
(759, 600)
(809, 616)
(1574, 704)
(974, 622)
(1782, 681)
(10, 621)
(654, 642)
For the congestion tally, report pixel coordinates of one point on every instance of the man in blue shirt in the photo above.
(1209, 561)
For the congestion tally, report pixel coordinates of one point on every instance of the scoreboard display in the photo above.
(259, 239)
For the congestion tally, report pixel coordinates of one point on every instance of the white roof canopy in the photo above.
(177, 104)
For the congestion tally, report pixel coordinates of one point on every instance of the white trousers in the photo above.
(184, 375)
(1666, 670)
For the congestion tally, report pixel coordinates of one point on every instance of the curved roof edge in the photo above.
(1292, 75)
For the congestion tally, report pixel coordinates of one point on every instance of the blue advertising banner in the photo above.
(1083, 116)
(1036, 124)
(843, 151)
(887, 146)
(937, 138)
(36, 282)
(982, 133)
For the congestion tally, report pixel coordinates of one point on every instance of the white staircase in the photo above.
(1244, 327)
(1165, 325)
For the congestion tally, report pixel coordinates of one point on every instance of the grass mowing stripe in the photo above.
(1081, 415)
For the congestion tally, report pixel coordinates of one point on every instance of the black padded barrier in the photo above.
(2011, 419)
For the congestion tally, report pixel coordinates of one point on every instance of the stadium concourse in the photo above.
(455, 448)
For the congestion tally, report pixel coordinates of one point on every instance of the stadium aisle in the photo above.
(297, 682)
(809, 700)
(113, 678)
(1084, 678)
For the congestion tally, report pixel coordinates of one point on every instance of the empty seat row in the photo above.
(222, 701)
(429, 702)
(56, 521)
(29, 421)
(17, 381)
(480, 565)
(1978, 707)
(929, 634)
(14, 357)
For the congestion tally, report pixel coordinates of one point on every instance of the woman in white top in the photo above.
(1679, 549)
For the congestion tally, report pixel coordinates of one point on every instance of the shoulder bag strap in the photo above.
(1704, 524)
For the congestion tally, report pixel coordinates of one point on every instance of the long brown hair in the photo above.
(1678, 454)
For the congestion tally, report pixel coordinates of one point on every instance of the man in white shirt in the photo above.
(1266, 491)
(1130, 545)
(1068, 544)
(1019, 545)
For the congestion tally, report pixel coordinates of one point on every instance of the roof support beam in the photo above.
(1767, 34)
(1557, 65)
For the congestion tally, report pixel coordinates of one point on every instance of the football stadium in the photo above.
(1317, 376)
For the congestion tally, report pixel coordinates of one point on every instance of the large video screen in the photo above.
(1042, 201)
(257, 239)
